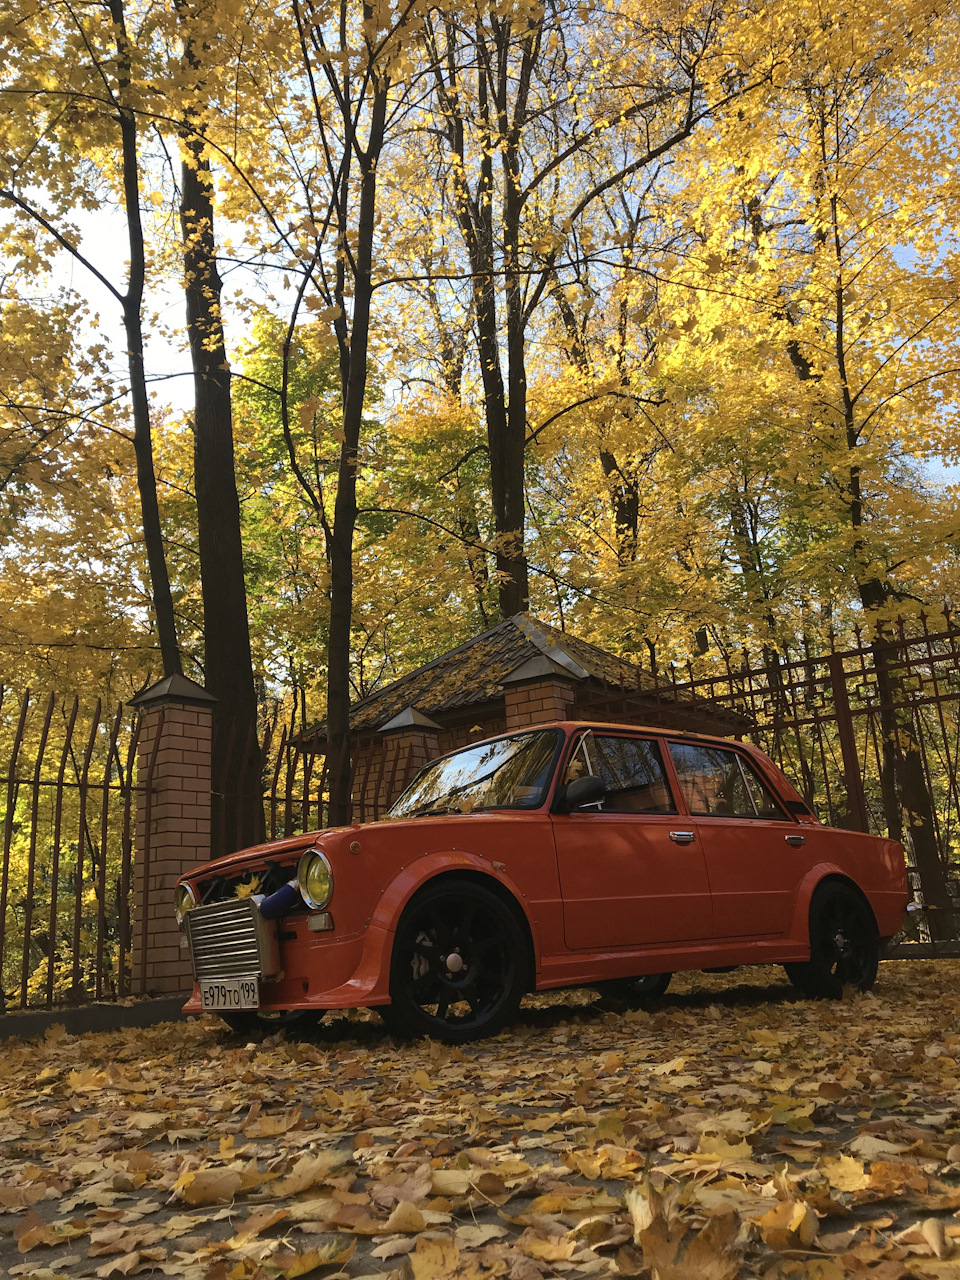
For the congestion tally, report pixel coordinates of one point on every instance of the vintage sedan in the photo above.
(559, 855)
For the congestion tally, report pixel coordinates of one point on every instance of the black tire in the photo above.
(649, 986)
(844, 945)
(427, 996)
(250, 1022)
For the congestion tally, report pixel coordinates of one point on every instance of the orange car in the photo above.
(560, 855)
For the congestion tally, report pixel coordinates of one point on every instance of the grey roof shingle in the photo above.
(474, 672)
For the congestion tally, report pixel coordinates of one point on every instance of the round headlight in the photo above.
(315, 879)
(185, 900)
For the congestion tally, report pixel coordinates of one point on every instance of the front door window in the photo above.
(626, 878)
(632, 771)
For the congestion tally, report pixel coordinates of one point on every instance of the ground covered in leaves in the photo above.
(730, 1129)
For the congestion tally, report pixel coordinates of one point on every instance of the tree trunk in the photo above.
(906, 794)
(228, 666)
(505, 438)
(133, 326)
(510, 568)
(354, 374)
(514, 589)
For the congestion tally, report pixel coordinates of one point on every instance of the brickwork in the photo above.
(539, 700)
(172, 834)
(385, 767)
(462, 734)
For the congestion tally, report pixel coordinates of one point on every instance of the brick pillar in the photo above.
(538, 691)
(408, 742)
(172, 824)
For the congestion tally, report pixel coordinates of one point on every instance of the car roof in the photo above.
(660, 730)
(617, 726)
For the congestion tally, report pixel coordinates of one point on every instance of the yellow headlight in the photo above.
(185, 900)
(315, 879)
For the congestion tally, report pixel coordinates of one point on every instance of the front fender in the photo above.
(370, 982)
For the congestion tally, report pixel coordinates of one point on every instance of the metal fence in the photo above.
(70, 788)
(65, 877)
(294, 785)
(869, 732)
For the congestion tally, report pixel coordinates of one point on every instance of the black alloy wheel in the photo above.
(844, 944)
(458, 966)
(649, 986)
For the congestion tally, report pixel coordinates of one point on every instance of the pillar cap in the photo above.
(175, 688)
(542, 667)
(409, 718)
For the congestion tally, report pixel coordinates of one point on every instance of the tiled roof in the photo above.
(474, 672)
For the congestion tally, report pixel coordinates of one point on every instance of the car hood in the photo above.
(285, 850)
(289, 849)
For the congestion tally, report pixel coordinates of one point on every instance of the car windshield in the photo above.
(508, 773)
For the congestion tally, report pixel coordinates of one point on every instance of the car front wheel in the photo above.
(844, 944)
(458, 966)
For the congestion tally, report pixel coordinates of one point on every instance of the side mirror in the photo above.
(584, 791)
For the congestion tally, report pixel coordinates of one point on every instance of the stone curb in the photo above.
(93, 1017)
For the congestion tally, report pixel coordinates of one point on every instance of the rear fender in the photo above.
(800, 926)
(370, 983)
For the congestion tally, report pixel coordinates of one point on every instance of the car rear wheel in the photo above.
(844, 944)
(649, 986)
(458, 965)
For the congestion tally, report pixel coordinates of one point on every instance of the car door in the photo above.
(631, 871)
(754, 851)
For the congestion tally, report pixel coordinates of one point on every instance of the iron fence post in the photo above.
(852, 772)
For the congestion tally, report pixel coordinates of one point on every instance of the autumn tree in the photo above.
(536, 115)
(360, 62)
(69, 74)
(75, 588)
(134, 89)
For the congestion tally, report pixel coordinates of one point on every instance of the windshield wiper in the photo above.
(432, 807)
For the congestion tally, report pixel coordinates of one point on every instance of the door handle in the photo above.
(796, 841)
(682, 837)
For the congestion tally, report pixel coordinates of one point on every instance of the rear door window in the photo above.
(720, 783)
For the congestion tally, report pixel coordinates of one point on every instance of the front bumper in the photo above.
(231, 939)
(320, 971)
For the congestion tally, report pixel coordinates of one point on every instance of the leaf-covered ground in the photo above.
(730, 1129)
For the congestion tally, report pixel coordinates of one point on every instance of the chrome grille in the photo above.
(232, 940)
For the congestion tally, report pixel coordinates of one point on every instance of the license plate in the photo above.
(220, 994)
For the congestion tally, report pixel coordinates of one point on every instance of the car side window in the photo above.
(632, 771)
(719, 783)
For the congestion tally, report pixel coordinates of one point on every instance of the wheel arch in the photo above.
(837, 877)
(833, 960)
(812, 884)
(461, 875)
